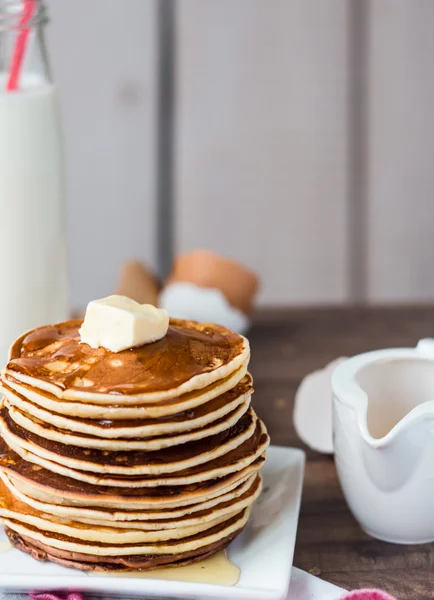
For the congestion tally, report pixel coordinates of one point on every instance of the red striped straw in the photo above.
(20, 45)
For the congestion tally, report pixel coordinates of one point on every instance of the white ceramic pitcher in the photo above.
(383, 418)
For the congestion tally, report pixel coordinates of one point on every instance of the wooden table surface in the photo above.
(286, 345)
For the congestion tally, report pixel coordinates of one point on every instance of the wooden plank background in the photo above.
(401, 150)
(263, 141)
(104, 62)
(262, 136)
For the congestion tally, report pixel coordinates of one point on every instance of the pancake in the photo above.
(119, 564)
(233, 461)
(110, 533)
(117, 410)
(168, 460)
(165, 517)
(192, 419)
(11, 509)
(199, 518)
(46, 486)
(193, 542)
(202, 516)
(49, 432)
(189, 357)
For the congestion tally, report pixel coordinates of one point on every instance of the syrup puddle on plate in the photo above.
(5, 546)
(216, 570)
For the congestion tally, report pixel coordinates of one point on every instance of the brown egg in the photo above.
(138, 283)
(210, 270)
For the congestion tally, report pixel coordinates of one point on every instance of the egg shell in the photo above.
(313, 409)
(210, 270)
(139, 283)
(184, 300)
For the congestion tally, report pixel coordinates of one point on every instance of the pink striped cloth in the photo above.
(363, 595)
(356, 595)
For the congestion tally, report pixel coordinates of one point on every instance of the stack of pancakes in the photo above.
(129, 460)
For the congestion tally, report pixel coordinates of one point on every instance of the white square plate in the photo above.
(264, 551)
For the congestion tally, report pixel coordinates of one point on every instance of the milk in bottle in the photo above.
(33, 269)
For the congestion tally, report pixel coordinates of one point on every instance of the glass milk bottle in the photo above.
(33, 284)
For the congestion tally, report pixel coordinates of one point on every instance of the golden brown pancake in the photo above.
(40, 483)
(88, 441)
(232, 462)
(189, 357)
(162, 515)
(200, 516)
(84, 562)
(169, 460)
(119, 407)
(187, 420)
(13, 508)
(96, 548)
(86, 530)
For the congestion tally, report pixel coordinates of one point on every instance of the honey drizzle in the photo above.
(216, 570)
(5, 546)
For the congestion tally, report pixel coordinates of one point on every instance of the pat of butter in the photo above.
(118, 323)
